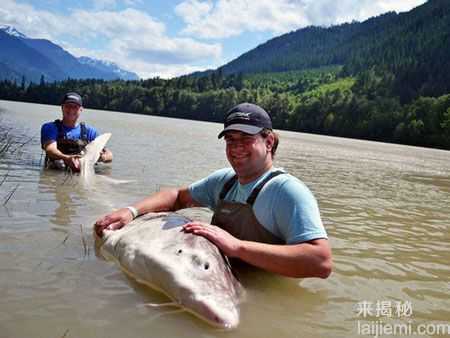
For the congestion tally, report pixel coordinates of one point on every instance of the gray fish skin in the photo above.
(189, 269)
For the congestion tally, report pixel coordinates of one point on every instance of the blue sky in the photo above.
(170, 38)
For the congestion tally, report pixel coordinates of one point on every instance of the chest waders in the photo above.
(239, 218)
(68, 146)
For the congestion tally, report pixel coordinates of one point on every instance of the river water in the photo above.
(385, 208)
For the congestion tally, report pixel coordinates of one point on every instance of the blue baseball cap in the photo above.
(72, 97)
(247, 118)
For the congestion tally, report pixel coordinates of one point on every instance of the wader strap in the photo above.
(83, 132)
(227, 186)
(62, 133)
(252, 198)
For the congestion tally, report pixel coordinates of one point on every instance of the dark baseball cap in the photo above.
(248, 118)
(72, 97)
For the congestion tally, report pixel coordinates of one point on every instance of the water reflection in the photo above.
(63, 188)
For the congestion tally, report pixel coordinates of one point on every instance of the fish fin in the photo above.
(161, 304)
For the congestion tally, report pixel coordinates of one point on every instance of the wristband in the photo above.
(133, 211)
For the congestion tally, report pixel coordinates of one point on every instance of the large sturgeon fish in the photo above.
(189, 269)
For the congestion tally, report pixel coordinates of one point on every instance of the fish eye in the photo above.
(206, 266)
(179, 251)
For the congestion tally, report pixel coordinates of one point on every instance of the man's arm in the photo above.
(166, 200)
(308, 259)
(54, 153)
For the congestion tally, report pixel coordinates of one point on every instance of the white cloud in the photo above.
(165, 71)
(328, 12)
(227, 18)
(173, 51)
(134, 38)
(130, 38)
(193, 10)
(398, 6)
(127, 23)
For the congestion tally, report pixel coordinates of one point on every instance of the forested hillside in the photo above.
(414, 46)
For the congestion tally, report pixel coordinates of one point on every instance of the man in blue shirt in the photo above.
(63, 140)
(262, 215)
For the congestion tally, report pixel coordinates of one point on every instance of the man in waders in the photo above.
(262, 215)
(64, 140)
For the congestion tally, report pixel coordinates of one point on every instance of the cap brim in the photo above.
(72, 101)
(245, 128)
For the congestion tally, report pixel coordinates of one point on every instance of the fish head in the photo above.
(209, 288)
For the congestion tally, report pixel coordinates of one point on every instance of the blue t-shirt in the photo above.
(285, 206)
(49, 132)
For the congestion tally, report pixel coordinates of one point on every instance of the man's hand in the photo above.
(102, 156)
(105, 156)
(223, 240)
(113, 221)
(73, 162)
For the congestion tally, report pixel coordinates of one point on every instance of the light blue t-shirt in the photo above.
(49, 132)
(285, 206)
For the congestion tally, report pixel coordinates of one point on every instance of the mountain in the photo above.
(413, 46)
(21, 59)
(12, 31)
(379, 38)
(34, 58)
(311, 47)
(108, 67)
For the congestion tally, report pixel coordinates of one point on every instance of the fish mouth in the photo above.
(226, 320)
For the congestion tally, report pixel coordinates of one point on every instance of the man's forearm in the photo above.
(55, 154)
(312, 259)
(165, 200)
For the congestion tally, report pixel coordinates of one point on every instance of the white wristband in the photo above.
(133, 211)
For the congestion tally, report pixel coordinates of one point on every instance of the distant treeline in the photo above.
(323, 101)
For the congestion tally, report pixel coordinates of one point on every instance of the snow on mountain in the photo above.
(12, 31)
(108, 66)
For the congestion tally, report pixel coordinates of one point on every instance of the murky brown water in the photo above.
(386, 209)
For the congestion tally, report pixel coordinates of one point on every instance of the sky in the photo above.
(172, 38)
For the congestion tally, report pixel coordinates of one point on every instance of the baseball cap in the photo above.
(248, 118)
(72, 97)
